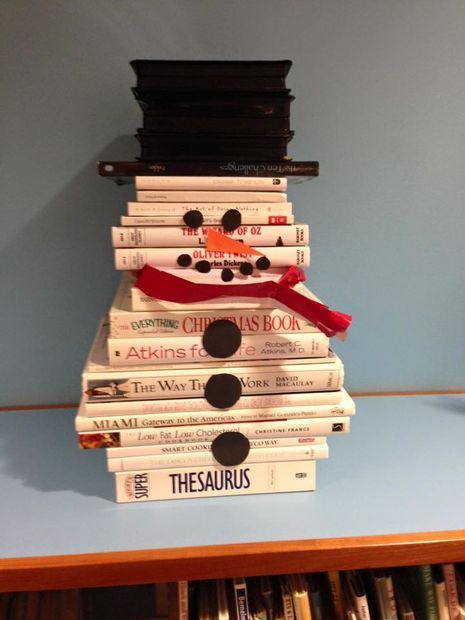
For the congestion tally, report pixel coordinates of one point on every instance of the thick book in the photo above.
(357, 593)
(239, 183)
(300, 596)
(440, 592)
(214, 147)
(286, 596)
(211, 68)
(127, 170)
(280, 346)
(241, 598)
(108, 419)
(204, 459)
(424, 576)
(203, 432)
(208, 220)
(184, 236)
(450, 582)
(160, 484)
(130, 259)
(205, 446)
(216, 104)
(217, 210)
(125, 323)
(268, 125)
(209, 196)
(338, 400)
(164, 418)
(193, 85)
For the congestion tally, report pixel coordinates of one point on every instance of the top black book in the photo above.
(211, 68)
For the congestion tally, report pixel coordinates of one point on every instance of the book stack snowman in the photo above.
(212, 372)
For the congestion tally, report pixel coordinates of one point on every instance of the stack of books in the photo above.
(213, 110)
(208, 377)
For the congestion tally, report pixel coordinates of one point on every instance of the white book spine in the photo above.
(208, 432)
(208, 196)
(210, 209)
(132, 258)
(223, 183)
(265, 380)
(208, 220)
(160, 484)
(206, 459)
(390, 598)
(124, 324)
(183, 236)
(139, 351)
(441, 601)
(183, 418)
(338, 401)
(192, 448)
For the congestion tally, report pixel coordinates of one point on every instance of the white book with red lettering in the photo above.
(184, 236)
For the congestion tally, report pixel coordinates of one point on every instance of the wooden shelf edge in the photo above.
(161, 565)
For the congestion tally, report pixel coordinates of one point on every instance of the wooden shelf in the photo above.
(390, 494)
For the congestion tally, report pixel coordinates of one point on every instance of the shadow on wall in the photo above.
(47, 457)
(60, 279)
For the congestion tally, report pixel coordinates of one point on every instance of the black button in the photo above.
(227, 275)
(231, 220)
(230, 448)
(193, 218)
(203, 266)
(222, 338)
(184, 260)
(263, 263)
(223, 391)
(246, 269)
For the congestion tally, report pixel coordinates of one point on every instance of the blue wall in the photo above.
(380, 100)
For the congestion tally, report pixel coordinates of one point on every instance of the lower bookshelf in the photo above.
(391, 493)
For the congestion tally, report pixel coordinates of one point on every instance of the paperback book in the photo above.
(146, 350)
(197, 459)
(161, 484)
(261, 210)
(209, 196)
(198, 433)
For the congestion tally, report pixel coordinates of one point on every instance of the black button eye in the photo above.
(193, 218)
(231, 220)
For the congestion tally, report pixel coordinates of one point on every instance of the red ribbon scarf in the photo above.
(165, 286)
